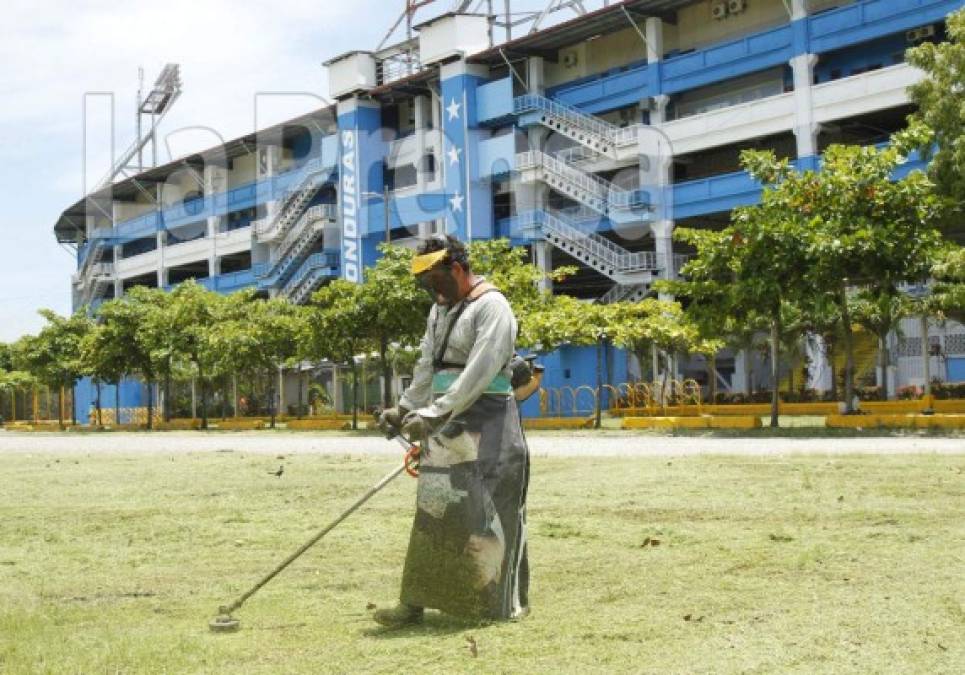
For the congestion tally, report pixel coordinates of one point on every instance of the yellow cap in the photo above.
(425, 262)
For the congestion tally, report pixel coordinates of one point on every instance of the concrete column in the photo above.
(422, 109)
(819, 367)
(469, 213)
(267, 164)
(543, 257)
(535, 75)
(361, 173)
(653, 30)
(215, 181)
(925, 355)
(663, 242)
(802, 67)
(162, 274)
(805, 128)
(336, 390)
(739, 381)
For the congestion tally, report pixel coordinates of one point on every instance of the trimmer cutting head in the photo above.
(224, 623)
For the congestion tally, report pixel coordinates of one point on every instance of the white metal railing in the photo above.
(306, 185)
(599, 250)
(610, 133)
(599, 194)
(532, 159)
(316, 267)
(102, 270)
(319, 212)
(616, 293)
(577, 154)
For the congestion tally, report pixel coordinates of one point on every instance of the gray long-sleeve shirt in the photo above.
(483, 338)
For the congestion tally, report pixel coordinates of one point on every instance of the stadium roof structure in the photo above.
(70, 228)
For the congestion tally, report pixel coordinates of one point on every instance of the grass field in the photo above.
(116, 562)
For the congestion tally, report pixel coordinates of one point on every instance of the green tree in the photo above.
(11, 382)
(336, 328)
(53, 356)
(194, 319)
(940, 98)
(854, 226)
(256, 337)
(395, 306)
(879, 313)
(948, 293)
(750, 273)
(121, 346)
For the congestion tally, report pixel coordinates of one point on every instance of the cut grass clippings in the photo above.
(116, 563)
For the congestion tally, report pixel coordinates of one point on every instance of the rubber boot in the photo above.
(398, 616)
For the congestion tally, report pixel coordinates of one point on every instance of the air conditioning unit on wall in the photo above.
(719, 10)
(920, 34)
(736, 6)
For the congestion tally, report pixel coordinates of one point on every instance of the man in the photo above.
(467, 550)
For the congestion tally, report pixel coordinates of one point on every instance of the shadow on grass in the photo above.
(434, 623)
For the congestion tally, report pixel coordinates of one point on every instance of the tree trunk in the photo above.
(829, 351)
(204, 397)
(100, 417)
(117, 402)
(848, 338)
(712, 362)
(775, 370)
(73, 408)
(224, 397)
(272, 408)
(598, 413)
(301, 394)
(386, 372)
(167, 393)
(150, 404)
(60, 410)
(663, 382)
(355, 395)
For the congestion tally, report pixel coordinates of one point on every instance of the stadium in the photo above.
(586, 132)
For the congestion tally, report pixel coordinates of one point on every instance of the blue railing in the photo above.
(616, 88)
(863, 21)
(237, 198)
(326, 260)
(853, 24)
(725, 192)
(748, 54)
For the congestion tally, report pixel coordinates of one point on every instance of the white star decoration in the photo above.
(453, 110)
(456, 202)
(453, 155)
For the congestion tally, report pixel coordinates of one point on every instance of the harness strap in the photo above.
(477, 291)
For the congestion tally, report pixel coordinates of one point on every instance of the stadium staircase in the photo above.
(597, 142)
(297, 267)
(317, 268)
(593, 133)
(312, 176)
(298, 243)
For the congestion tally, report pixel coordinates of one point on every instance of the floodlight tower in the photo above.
(151, 110)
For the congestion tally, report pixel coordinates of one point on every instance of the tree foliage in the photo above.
(940, 98)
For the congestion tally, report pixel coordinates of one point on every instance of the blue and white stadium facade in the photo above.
(588, 141)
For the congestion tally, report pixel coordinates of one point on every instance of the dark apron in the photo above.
(467, 551)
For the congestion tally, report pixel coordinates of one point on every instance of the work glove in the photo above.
(416, 427)
(390, 421)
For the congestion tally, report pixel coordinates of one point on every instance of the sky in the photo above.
(53, 52)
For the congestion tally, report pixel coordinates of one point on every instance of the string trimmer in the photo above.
(226, 623)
